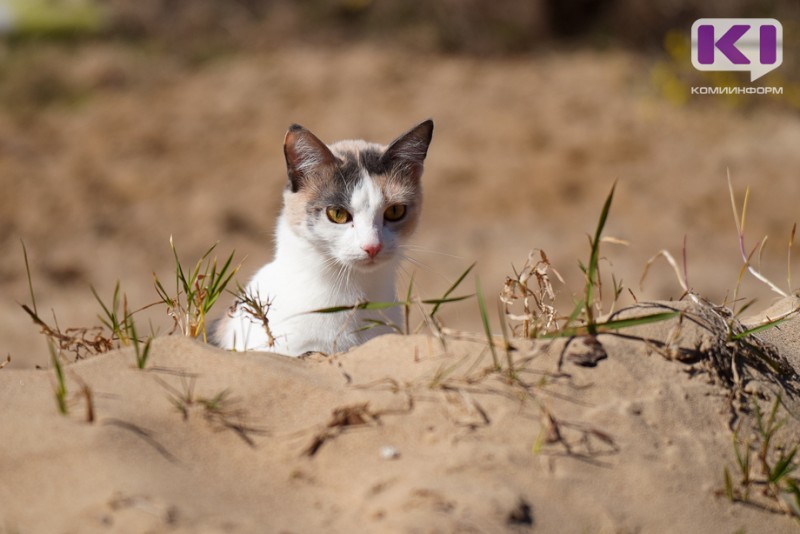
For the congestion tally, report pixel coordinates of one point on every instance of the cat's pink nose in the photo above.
(372, 249)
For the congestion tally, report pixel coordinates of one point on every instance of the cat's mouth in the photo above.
(369, 264)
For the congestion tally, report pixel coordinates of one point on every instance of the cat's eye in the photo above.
(395, 212)
(338, 215)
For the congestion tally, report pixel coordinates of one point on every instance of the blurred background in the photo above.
(125, 122)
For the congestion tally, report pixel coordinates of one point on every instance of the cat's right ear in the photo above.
(406, 154)
(306, 156)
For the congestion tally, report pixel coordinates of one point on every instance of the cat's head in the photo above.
(356, 202)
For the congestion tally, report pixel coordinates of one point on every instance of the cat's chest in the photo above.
(298, 327)
(296, 288)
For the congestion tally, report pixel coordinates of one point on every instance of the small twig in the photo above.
(740, 224)
(674, 264)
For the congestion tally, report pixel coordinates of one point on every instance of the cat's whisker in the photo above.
(428, 268)
(404, 270)
(348, 271)
(335, 280)
(406, 273)
(334, 270)
(418, 263)
(340, 281)
(416, 248)
(346, 278)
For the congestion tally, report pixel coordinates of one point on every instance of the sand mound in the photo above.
(402, 434)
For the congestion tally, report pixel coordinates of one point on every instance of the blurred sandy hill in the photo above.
(162, 118)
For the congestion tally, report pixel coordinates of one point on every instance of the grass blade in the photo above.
(789, 257)
(452, 288)
(729, 486)
(794, 491)
(218, 283)
(783, 467)
(61, 385)
(373, 323)
(759, 328)
(180, 278)
(30, 280)
(359, 306)
(616, 324)
(441, 301)
(740, 226)
(742, 459)
(575, 313)
(107, 320)
(407, 306)
(485, 319)
(507, 347)
(142, 353)
(591, 270)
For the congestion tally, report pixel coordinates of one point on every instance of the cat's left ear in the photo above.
(406, 154)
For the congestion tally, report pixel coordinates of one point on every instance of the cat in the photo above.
(347, 209)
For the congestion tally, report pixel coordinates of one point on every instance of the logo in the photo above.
(754, 45)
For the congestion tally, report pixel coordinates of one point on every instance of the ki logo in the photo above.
(754, 45)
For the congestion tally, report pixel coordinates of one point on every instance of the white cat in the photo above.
(347, 208)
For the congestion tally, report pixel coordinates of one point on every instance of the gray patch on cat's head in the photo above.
(371, 159)
(355, 157)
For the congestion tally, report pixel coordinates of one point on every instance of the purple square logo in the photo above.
(754, 45)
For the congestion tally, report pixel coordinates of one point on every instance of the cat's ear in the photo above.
(406, 154)
(306, 156)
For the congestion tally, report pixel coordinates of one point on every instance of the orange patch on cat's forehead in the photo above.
(396, 191)
(354, 147)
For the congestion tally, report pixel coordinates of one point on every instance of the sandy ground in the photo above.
(525, 150)
(398, 435)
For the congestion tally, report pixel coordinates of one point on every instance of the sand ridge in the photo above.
(646, 442)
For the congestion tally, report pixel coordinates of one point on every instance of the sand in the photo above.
(427, 439)
(407, 436)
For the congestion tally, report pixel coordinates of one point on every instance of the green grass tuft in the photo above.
(776, 463)
(196, 291)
